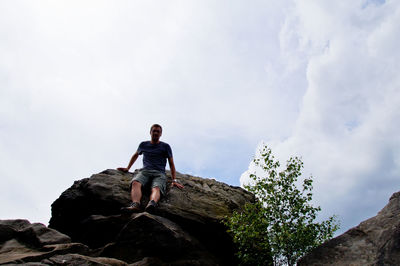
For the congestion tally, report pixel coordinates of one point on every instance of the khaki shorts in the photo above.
(152, 178)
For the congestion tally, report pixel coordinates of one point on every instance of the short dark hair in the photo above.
(155, 125)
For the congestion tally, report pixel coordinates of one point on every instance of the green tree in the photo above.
(280, 227)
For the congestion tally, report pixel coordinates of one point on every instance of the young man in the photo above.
(155, 155)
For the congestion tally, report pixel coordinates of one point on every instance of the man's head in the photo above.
(155, 132)
(155, 125)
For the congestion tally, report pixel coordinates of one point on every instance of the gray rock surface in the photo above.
(22, 242)
(38, 234)
(146, 235)
(375, 241)
(77, 259)
(87, 226)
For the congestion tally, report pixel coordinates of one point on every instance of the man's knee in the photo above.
(155, 189)
(136, 185)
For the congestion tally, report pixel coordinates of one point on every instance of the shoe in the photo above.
(151, 207)
(133, 207)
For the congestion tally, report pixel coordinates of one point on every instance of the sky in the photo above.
(81, 82)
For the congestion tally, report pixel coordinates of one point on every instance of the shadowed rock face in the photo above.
(21, 241)
(186, 228)
(375, 241)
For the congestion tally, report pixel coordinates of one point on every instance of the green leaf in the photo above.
(280, 226)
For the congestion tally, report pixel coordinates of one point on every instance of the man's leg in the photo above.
(136, 191)
(155, 194)
(158, 187)
(154, 199)
(136, 195)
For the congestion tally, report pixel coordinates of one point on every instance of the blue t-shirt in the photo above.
(155, 155)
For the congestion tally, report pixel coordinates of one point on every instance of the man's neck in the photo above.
(154, 141)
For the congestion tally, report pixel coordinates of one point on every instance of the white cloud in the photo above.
(81, 82)
(346, 130)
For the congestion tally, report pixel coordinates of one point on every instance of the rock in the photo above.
(88, 228)
(14, 251)
(149, 262)
(36, 233)
(102, 194)
(146, 235)
(22, 241)
(188, 219)
(109, 226)
(77, 259)
(375, 241)
(34, 244)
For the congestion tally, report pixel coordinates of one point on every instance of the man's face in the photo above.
(155, 133)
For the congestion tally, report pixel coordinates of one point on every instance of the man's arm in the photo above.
(173, 173)
(131, 162)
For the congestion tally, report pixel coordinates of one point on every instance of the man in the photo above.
(155, 155)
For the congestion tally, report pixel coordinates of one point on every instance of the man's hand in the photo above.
(176, 184)
(131, 162)
(123, 169)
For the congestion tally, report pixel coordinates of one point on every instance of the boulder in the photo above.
(147, 235)
(88, 228)
(375, 241)
(36, 234)
(23, 242)
(185, 229)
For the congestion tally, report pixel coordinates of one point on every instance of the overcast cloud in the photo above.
(82, 81)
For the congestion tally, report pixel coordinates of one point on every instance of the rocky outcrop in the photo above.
(23, 242)
(375, 241)
(88, 227)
